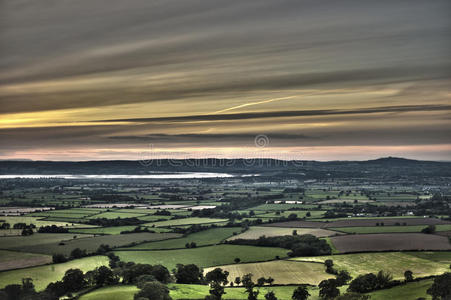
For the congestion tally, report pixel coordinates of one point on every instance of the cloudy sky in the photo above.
(292, 79)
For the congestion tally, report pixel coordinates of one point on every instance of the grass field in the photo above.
(410, 291)
(92, 243)
(153, 218)
(203, 256)
(257, 231)
(112, 230)
(282, 206)
(299, 213)
(185, 221)
(114, 215)
(43, 275)
(14, 260)
(283, 271)
(202, 238)
(396, 263)
(36, 240)
(190, 291)
(388, 229)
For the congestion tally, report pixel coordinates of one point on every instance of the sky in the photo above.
(288, 79)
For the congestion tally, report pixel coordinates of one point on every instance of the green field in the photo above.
(257, 231)
(388, 229)
(36, 240)
(283, 271)
(115, 215)
(282, 206)
(298, 213)
(203, 256)
(153, 218)
(43, 275)
(410, 291)
(112, 230)
(185, 221)
(190, 291)
(92, 243)
(202, 238)
(394, 262)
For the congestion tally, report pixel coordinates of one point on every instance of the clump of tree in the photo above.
(371, 282)
(249, 285)
(104, 222)
(153, 290)
(53, 229)
(27, 231)
(300, 245)
(300, 293)
(217, 279)
(191, 245)
(137, 229)
(441, 288)
(429, 229)
(188, 274)
(328, 289)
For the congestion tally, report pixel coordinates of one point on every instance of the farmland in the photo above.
(203, 256)
(283, 272)
(389, 241)
(43, 275)
(185, 221)
(90, 244)
(429, 263)
(207, 237)
(388, 229)
(216, 223)
(258, 231)
(15, 260)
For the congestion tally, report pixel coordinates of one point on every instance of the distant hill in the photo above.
(382, 167)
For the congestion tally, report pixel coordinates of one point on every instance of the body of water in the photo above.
(182, 175)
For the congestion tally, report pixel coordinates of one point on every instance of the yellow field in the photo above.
(283, 271)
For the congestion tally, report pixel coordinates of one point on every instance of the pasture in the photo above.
(90, 244)
(411, 290)
(191, 291)
(43, 275)
(203, 256)
(433, 263)
(36, 240)
(202, 238)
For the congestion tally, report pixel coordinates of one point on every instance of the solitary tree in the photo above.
(300, 293)
(153, 290)
(217, 278)
(261, 281)
(270, 296)
(249, 286)
(328, 289)
(408, 275)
